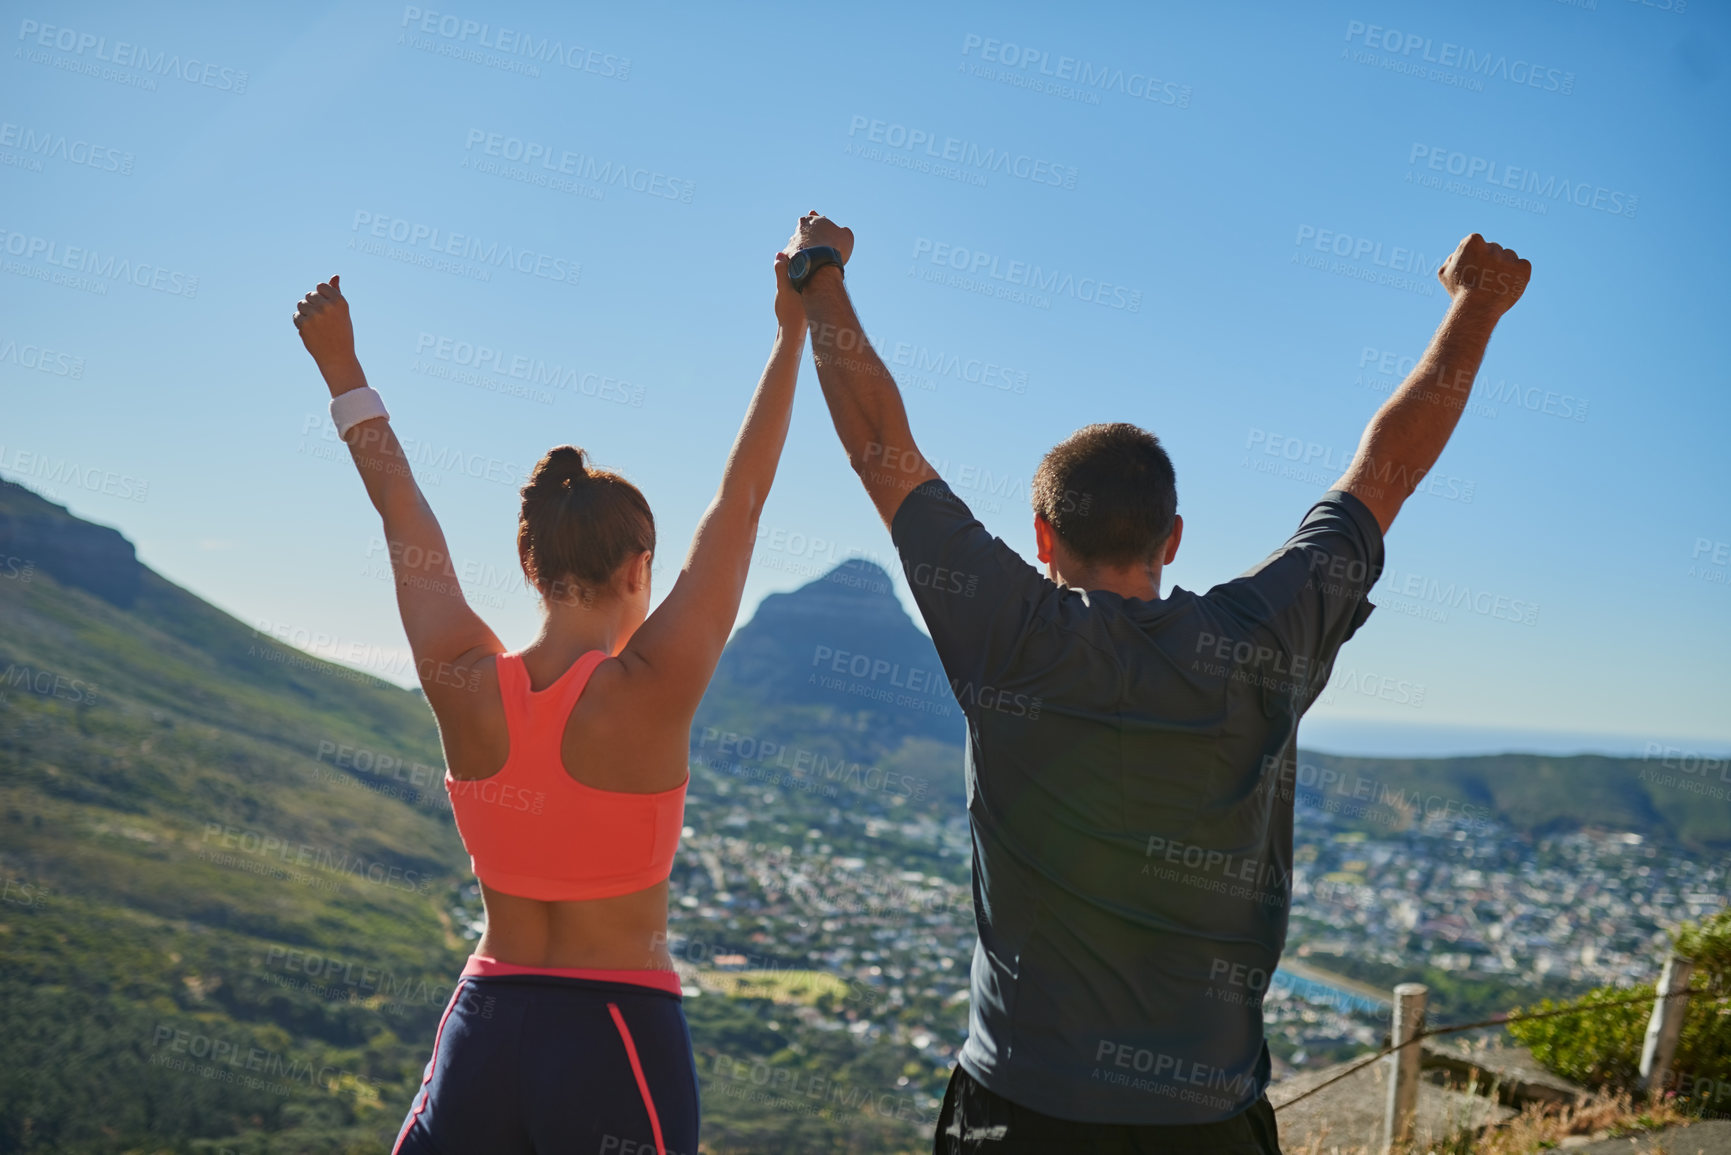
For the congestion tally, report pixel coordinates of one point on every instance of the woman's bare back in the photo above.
(613, 740)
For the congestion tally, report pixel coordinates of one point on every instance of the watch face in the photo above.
(796, 268)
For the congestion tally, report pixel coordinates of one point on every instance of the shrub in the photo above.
(1602, 1048)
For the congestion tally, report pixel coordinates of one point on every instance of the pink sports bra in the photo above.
(534, 831)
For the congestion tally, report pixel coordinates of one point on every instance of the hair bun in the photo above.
(564, 467)
(579, 524)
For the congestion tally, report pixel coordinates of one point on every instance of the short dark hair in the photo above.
(579, 524)
(1109, 493)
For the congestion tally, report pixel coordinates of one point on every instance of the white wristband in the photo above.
(357, 405)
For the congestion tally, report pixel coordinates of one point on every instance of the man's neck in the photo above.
(1137, 581)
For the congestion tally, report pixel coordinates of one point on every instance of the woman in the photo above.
(567, 766)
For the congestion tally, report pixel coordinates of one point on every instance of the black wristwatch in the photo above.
(804, 263)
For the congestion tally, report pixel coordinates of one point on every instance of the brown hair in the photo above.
(1109, 493)
(579, 524)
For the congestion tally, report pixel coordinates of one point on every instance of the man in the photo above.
(1131, 755)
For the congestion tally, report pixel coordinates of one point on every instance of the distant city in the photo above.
(878, 906)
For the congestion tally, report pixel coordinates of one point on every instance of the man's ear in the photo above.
(1173, 538)
(1044, 536)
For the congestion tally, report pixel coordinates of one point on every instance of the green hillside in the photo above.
(232, 902)
(210, 926)
(1540, 794)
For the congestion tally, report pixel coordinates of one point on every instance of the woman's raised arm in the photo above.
(445, 635)
(677, 648)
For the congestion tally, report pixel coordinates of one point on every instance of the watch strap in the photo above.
(816, 258)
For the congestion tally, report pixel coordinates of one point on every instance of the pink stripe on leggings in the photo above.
(637, 1069)
(428, 1077)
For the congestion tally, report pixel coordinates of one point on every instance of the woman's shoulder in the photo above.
(467, 702)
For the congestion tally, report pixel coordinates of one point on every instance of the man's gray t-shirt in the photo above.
(1130, 782)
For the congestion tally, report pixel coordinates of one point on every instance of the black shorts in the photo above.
(531, 1063)
(975, 1121)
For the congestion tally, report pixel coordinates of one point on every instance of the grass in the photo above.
(1535, 1129)
(781, 987)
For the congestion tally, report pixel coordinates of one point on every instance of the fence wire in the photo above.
(1493, 1021)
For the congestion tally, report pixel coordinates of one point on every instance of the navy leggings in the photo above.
(544, 1063)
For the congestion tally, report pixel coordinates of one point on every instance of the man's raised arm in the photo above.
(863, 399)
(1407, 435)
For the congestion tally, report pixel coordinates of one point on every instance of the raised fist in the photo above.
(1485, 274)
(814, 230)
(323, 320)
(789, 305)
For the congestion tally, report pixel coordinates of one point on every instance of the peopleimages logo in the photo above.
(978, 264)
(985, 159)
(1087, 78)
(1450, 595)
(93, 263)
(47, 684)
(50, 470)
(122, 54)
(805, 766)
(40, 358)
(913, 679)
(1364, 259)
(1476, 171)
(466, 247)
(459, 31)
(927, 365)
(533, 371)
(1391, 365)
(265, 845)
(1475, 65)
(46, 144)
(1353, 248)
(580, 165)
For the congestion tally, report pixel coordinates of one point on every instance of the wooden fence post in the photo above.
(1409, 1000)
(1659, 1048)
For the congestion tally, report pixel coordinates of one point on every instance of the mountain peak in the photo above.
(36, 532)
(858, 591)
(843, 644)
(862, 576)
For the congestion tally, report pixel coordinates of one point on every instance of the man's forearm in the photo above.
(862, 396)
(1410, 430)
(1407, 435)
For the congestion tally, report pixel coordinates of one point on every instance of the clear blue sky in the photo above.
(1269, 185)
